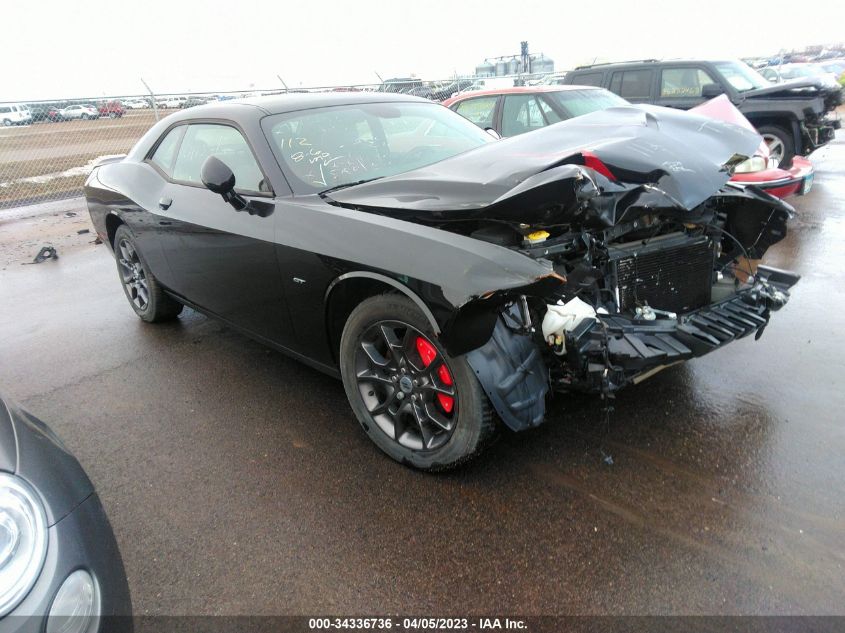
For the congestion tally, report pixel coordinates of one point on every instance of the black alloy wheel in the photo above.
(132, 274)
(420, 405)
(145, 295)
(406, 385)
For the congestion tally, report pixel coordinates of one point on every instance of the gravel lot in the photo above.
(238, 482)
(48, 160)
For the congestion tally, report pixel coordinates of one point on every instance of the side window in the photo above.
(683, 82)
(632, 84)
(479, 111)
(521, 114)
(5, 109)
(226, 143)
(548, 111)
(166, 150)
(589, 79)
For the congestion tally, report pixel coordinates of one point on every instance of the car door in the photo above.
(521, 113)
(633, 84)
(680, 86)
(221, 260)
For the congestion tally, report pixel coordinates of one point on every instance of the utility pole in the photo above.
(155, 106)
(526, 59)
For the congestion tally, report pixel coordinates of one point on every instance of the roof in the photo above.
(642, 62)
(516, 90)
(250, 110)
(290, 102)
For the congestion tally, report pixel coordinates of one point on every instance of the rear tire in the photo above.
(780, 142)
(145, 294)
(433, 435)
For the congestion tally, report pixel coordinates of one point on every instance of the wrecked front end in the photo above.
(639, 295)
(652, 256)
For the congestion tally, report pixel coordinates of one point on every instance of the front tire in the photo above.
(780, 142)
(420, 405)
(145, 294)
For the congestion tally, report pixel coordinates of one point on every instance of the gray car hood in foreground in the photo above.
(683, 154)
(32, 451)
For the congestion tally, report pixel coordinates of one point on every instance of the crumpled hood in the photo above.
(682, 154)
(789, 88)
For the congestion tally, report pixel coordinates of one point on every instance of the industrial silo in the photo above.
(485, 69)
(540, 64)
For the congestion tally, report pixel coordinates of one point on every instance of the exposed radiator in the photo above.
(673, 273)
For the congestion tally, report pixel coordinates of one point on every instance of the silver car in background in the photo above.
(84, 112)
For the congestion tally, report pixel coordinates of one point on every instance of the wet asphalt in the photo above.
(238, 482)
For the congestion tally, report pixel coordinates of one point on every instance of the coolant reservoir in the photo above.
(563, 317)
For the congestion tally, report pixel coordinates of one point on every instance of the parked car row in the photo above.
(788, 72)
(18, 114)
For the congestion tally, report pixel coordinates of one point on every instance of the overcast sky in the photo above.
(57, 48)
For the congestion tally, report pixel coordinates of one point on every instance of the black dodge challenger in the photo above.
(447, 277)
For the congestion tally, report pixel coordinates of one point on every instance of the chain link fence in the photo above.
(48, 148)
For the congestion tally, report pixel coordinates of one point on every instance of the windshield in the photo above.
(331, 147)
(577, 102)
(741, 76)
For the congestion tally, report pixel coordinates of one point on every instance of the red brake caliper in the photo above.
(428, 353)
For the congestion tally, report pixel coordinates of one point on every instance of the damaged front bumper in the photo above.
(820, 133)
(605, 354)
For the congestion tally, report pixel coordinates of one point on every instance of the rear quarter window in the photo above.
(632, 84)
(589, 79)
(479, 110)
(165, 153)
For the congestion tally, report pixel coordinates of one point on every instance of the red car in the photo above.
(513, 111)
(111, 109)
(53, 114)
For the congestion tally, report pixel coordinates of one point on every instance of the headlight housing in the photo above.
(23, 540)
(755, 163)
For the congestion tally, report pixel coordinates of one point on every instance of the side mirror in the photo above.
(218, 177)
(710, 91)
(493, 133)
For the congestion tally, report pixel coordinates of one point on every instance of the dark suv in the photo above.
(794, 117)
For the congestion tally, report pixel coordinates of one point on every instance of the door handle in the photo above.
(165, 203)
